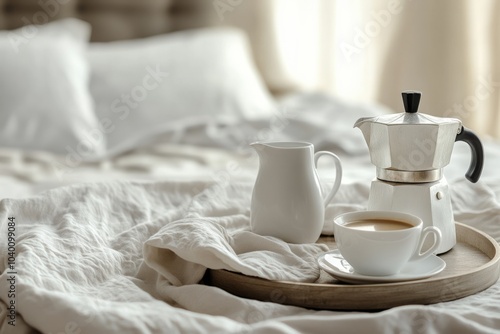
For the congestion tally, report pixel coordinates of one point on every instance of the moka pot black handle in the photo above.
(477, 154)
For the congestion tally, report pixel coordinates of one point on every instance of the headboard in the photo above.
(112, 19)
(128, 19)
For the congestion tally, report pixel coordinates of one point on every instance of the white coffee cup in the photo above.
(394, 240)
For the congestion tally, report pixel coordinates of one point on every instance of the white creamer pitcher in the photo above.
(287, 201)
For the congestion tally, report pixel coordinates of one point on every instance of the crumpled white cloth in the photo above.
(181, 252)
(81, 266)
(80, 251)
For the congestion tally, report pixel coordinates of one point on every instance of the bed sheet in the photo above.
(81, 232)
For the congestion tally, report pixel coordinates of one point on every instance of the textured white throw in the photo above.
(125, 258)
(80, 250)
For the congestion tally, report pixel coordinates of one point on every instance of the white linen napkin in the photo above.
(181, 252)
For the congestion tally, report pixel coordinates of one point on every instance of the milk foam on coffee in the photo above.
(378, 225)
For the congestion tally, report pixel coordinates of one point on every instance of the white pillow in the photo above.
(44, 99)
(143, 88)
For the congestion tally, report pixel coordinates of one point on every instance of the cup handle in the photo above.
(437, 241)
(338, 175)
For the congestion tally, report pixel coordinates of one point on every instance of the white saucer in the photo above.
(333, 263)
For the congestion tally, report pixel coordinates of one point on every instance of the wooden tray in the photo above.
(471, 266)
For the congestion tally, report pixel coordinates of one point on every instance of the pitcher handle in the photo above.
(338, 175)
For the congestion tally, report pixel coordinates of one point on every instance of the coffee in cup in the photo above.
(381, 243)
(378, 225)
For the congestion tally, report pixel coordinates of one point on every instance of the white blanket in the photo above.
(125, 257)
(80, 265)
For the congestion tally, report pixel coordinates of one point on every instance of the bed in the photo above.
(134, 176)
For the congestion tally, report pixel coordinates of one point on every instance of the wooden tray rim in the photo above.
(490, 265)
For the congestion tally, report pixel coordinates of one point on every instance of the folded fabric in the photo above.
(181, 252)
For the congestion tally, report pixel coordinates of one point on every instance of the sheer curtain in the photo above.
(369, 51)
